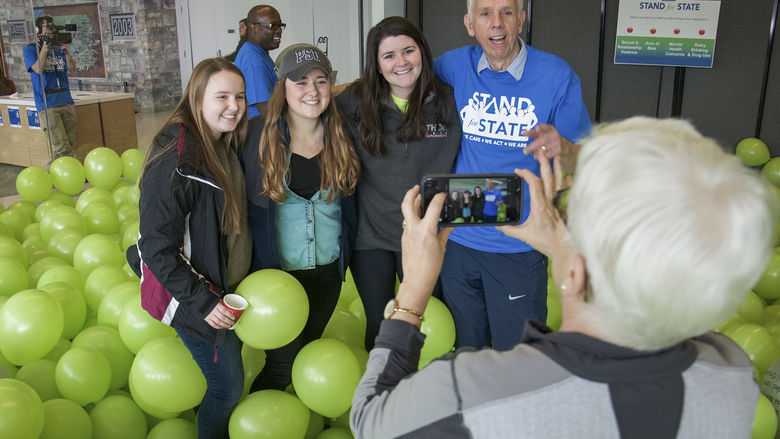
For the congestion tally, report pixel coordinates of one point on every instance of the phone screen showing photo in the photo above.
(476, 199)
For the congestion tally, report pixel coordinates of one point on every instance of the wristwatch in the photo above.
(392, 307)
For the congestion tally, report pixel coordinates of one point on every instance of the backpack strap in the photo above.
(182, 135)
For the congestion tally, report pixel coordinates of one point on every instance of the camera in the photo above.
(62, 34)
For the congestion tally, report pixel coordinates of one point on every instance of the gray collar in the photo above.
(515, 69)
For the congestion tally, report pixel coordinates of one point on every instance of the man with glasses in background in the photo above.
(264, 33)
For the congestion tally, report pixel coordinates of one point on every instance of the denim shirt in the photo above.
(307, 231)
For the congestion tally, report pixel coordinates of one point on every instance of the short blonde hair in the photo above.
(673, 231)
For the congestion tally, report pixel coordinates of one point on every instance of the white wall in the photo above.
(203, 28)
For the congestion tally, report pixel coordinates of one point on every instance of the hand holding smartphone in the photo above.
(476, 199)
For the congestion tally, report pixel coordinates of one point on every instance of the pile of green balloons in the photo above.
(756, 325)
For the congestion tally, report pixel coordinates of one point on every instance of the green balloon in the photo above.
(83, 375)
(5, 230)
(13, 277)
(35, 249)
(137, 328)
(128, 212)
(71, 300)
(277, 312)
(752, 308)
(771, 171)
(325, 374)
(33, 184)
(165, 376)
(768, 285)
(554, 311)
(130, 236)
(120, 184)
(100, 218)
(21, 410)
(271, 414)
(357, 309)
(114, 302)
(16, 220)
(11, 248)
(344, 326)
(175, 428)
(7, 369)
(31, 322)
(92, 195)
(765, 421)
(41, 209)
(33, 230)
(107, 341)
(62, 198)
(103, 167)
(316, 425)
(253, 361)
(130, 273)
(67, 174)
(59, 349)
(348, 291)
(28, 207)
(118, 417)
(65, 420)
(61, 217)
(361, 354)
(122, 195)
(39, 374)
(762, 348)
(41, 266)
(132, 162)
(62, 273)
(63, 244)
(439, 328)
(152, 413)
(100, 281)
(335, 433)
(96, 250)
(752, 151)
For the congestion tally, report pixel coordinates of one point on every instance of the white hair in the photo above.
(470, 3)
(673, 230)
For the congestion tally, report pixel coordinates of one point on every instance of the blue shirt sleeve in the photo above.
(30, 56)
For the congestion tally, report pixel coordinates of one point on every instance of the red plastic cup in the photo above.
(236, 304)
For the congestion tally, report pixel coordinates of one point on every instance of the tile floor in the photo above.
(146, 125)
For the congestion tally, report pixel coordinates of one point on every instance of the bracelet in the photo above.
(396, 308)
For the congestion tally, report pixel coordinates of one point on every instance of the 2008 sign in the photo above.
(123, 27)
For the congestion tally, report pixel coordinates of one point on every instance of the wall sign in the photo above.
(122, 27)
(14, 117)
(17, 31)
(667, 33)
(86, 49)
(33, 119)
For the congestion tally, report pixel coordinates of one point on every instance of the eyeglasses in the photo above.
(272, 26)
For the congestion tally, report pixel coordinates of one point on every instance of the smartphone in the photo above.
(501, 202)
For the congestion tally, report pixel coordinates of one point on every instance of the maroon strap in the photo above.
(182, 134)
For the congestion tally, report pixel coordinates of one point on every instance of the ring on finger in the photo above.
(544, 148)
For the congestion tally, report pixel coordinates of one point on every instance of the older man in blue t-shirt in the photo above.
(513, 100)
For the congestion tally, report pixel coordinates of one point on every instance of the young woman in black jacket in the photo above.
(194, 243)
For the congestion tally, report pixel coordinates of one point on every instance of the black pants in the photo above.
(322, 285)
(375, 272)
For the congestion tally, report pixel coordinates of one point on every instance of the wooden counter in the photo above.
(104, 119)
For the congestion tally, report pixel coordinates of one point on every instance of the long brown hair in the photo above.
(372, 89)
(188, 113)
(339, 163)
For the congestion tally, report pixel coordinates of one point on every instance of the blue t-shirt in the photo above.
(259, 75)
(491, 208)
(55, 77)
(494, 109)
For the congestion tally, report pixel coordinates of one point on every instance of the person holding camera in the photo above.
(47, 63)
